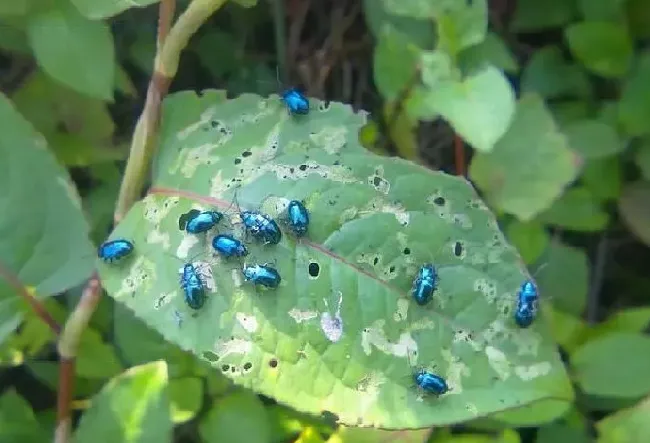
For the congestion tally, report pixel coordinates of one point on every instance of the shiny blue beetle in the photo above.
(261, 226)
(526, 310)
(298, 217)
(295, 101)
(228, 246)
(192, 287)
(263, 275)
(424, 284)
(430, 382)
(114, 250)
(195, 221)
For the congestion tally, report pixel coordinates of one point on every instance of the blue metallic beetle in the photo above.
(114, 250)
(261, 226)
(263, 275)
(192, 287)
(424, 284)
(195, 221)
(526, 304)
(228, 246)
(295, 101)
(298, 217)
(430, 382)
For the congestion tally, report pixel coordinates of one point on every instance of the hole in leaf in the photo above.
(407, 251)
(248, 365)
(458, 249)
(225, 368)
(273, 363)
(314, 269)
(440, 201)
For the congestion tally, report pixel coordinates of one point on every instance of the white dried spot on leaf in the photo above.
(204, 269)
(157, 237)
(371, 259)
(389, 272)
(531, 372)
(422, 324)
(141, 273)
(237, 279)
(377, 205)
(187, 243)
(487, 287)
(378, 182)
(156, 209)
(197, 156)
(477, 203)
(301, 316)
(248, 322)
(402, 310)
(224, 348)
(472, 409)
(455, 372)
(368, 391)
(498, 362)
(465, 336)
(442, 208)
(275, 206)
(73, 195)
(374, 336)
(163, 299)
(331, 139)
(348, 214)
(204, 120)
(527, 342)
(332, 324)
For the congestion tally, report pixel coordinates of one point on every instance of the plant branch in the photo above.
(459, 155)
(33, 302)
(165, 68)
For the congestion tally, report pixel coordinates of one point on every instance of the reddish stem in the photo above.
(459, 155)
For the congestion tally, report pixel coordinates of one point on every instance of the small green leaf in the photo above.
(101, 9)
(568, 329)
(133, 406)
(602, 177)
(186, 396)
(627, 320)
(603, 48)
(565, 430)
(394, 63)
(17, 420)
(605, 10)
(635, 210)
(13, 8)
(74, 50)
(422, 32)
(491, 51)
(461, 25)
(566, 112)
(246, 3)
(479, 108)
(96, 358)
(551, 76)
(402, 131)
(626, 426)
(530, 239)
(638, 18)
(634, 106)
(530, 166)
(643, 159)
(598, 371)
(564, 279)
(48, 249)
(239, 417)
(576, 210)
(533, 15)
(369, 435)
(417, 8)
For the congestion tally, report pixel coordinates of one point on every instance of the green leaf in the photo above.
(402, 131)
(369, 435)
(638, 18)
(627, 320)
(626, 426)
(17, 420)
(74, 50)
(417, 8)
(132, 407)
(598, 372)
(564, 278)
(530, 239)
(394, 63)
(551, 76)
(530, 166)
(634, 106)
(602, 177)
(372, 219)
(461, 25)
(565, 430)
(96, 358)
(568, 329)
(96, 10)
(13, 8)
(246, 3)
(480, 108)
(576, 210)
(13, 38)
(566, 112)
(605, 10)
(603, 48)
(186, 395)
(239, 417)
(642, 159)
(45, 242)
(635, 211)
(533, 15)
(422, 32)
(491, 51)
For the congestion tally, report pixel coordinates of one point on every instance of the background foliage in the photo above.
(551, 97)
